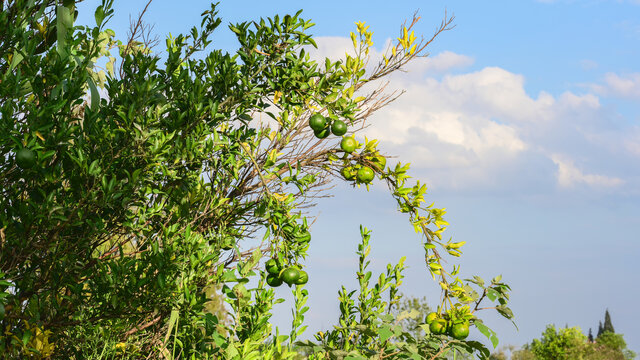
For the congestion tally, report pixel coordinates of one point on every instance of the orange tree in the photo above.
(129, 192)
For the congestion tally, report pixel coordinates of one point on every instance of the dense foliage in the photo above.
(131, 194)
(571, 344)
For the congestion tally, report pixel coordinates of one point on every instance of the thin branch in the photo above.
(138, 26)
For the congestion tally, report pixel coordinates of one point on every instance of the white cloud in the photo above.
(569, 175)
(620, 86)
(482, 130)
(439, 63)
(333, 47)
(476, 134)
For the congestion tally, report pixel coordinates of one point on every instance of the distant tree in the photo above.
(600, 329)
(590, 336)
(499, 355)
(565, 343)
(608, 326)
(571, 343)
(611, 346)
(608, 346)
(523, 354)
(421, 309)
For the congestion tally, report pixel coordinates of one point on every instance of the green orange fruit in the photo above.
(365, 175)
(338, 128)
(460, 331)
(272, 267)
(438, 326)
(303, 278)
(431, 317)
(274, 280)
(348, 144)
(348, 173)
(290, 275)
(322, 133)
(25, 158)
(317, 122)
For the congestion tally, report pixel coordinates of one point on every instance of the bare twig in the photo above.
(138, 30)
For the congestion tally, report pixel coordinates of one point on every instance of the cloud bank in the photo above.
(481, 130)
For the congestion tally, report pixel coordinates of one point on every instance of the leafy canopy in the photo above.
(146, 186)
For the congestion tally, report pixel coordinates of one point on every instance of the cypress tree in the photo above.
(590, 336)
(608, 326)
(600, 330)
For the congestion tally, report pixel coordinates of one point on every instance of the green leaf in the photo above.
(492, 294)
(173, 319)
(490, 334)
(478, 346)
(505, 311)
(245, 117)
(15, 60)
(99, 15)
(63, 25)
(232, 352)
(95, 95)
(385, 333)
(229, 276)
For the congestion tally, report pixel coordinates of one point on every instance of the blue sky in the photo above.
(525, 124)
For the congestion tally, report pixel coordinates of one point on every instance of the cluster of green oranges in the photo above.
(443, 324)
(277, 274)
(292, 275)
(360, 172)
(323, 127)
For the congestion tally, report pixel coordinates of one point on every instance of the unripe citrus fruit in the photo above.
(432, 316)
(348, 172)
(272, 267)
(25, 158)
(290, 275)
(460, 331)
(348, 144)
(338, 128)
(274, 280)
(365, 175)
(317, 122)
(304, 277)
(438, 326)
(322, 133)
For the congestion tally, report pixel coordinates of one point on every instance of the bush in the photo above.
(143, 188)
